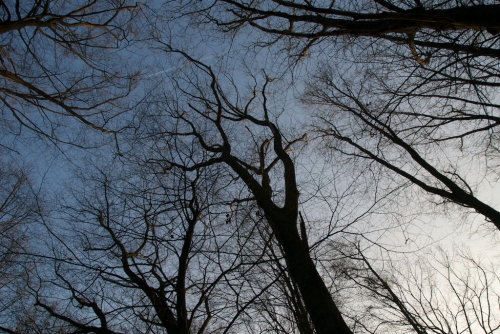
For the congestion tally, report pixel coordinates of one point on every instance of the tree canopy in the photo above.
(249, 167)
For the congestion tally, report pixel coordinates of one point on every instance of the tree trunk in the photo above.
(318, 301)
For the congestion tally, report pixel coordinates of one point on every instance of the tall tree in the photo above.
(405, 83)
(205, 120)
(137, 252)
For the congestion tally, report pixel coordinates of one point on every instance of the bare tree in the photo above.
(403, 82)
(58, 62)
(140, 251)
(462, 27)
(200, 230)
(139, 241)
(419, 146)
(18, 212)
(453, 294)
(204, 119)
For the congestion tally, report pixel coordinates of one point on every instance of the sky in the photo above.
(333, 193)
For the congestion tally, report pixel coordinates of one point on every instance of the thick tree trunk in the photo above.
(318, 301)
